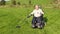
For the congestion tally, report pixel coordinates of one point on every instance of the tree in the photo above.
(3, 2)
(19, 3)
(14, 2)
(30, 2)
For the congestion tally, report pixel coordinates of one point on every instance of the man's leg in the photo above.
(33, 23)
(38, 25)
(42, 21)
(38, 22)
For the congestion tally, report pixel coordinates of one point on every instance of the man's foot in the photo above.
(40, 27)
(34, 27)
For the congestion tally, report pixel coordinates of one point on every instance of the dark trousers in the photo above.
(37, 21)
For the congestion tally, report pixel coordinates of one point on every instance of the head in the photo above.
(36, 7)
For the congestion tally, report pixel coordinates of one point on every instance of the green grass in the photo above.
(10, 17)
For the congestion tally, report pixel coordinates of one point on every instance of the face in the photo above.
(36, 7)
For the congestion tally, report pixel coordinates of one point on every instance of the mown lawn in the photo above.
(12, 16)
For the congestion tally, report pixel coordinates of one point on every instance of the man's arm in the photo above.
(42, 12)
(30, 14)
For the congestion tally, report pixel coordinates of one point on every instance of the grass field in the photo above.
(10, 17)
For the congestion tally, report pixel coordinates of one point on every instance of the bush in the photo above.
(14, 2)
(19, 3)
(30, 2)
(3, 2)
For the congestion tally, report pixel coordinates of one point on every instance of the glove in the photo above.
(28, 16)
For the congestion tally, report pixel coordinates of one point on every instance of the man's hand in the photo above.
(28, 16)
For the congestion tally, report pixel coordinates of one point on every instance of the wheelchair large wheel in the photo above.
(42, 25)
